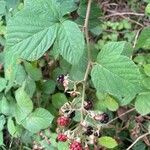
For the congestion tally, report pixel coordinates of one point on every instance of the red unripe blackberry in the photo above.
(63, 121)
(88, 105)
(62, 137)
(103, 118)
(76, 146)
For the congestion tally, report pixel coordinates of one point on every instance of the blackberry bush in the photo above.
(74, 74)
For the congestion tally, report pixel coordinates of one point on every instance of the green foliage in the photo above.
(39, 30)
(39, 119)
(111, 104)
(63, 146)
(3, 83)
(107, 142)
(147, 69)
(33, 72)
(24, 104)
(2, 122)
(2, 7)
(118, 71)
(144, 39)
(14, 130)
(58, 100)
(70, 45)
(147, 9)
(142, 103)
(43, 39)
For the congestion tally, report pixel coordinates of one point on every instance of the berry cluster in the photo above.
(63, 122)
(71, 131)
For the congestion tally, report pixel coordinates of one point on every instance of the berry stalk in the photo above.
(85, 29)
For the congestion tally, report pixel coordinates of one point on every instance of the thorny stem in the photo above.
(139, 138)
(120, 116)
(85, 29)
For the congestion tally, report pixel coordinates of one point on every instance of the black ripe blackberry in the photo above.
(72, 114)
(97, 134)
(105, 118)
(89, 131)
(88, 105)
(60, 78)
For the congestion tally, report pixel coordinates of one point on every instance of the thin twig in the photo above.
(123, 14)
(131, 20)
(136, 37)
(85, 30)
(139, 138)
(120, 116)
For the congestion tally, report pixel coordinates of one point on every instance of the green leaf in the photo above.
(1, 56)
(127, 99)
(49, 86)
(58, 100)
(1, 138)
(142, 103)
(77, 71)
(3, 83)
(14, 130)
(114, 73)
(140, 145)
(24, 101)
(119, 48)
(34, 72)
(111, 104)
(95, 10)
(33, 29)
(20, 75)
(107, 142)
(12, 3)
(11, 127)
(24, 104)
(63, 146)
(147, 9)
(66, 6)
(2, 122)
(70, 41)
(38, 120)
(5, 107)
(11, 67)
(144, 39)
(2, 7)
(147, 69)
(146, 82)
(140, 59)
(30, 86)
